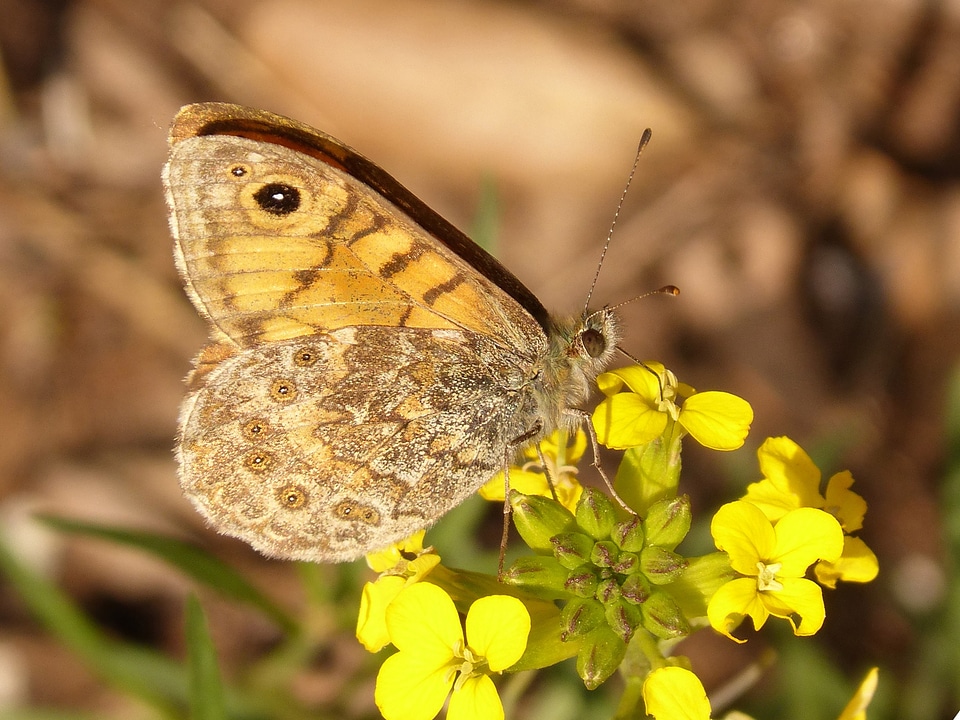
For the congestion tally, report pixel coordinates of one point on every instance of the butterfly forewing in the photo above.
(337, 254)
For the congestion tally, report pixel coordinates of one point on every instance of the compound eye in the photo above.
(594, 343)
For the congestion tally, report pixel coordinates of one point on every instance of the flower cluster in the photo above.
(781, 527)
(613, 588)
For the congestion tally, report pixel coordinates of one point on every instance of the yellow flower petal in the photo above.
(411, 690)
(804, 598)
(857, 563)
(627, 420)
(497, 629)
(848, 507)
(567, 450)
(673, 693)
(419, 568)
(733, 602)
(717, 420)
(791, 470)
(371, 620)
(856, 709)
(423, 623)
(493, 488)
(771, 499)
(791, 480)
(641, 380)
(477, 699)
(391, 556)
(804, 536)
(745, 534)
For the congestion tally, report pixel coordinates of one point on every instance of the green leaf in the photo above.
(189, 559)
(206, 690)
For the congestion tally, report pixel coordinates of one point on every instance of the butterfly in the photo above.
(369, 366)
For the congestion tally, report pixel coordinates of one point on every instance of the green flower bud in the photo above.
(701, 579)
(660, 565)
(579, 616)
(709, 571)
(572, 549)
(581, 581)
(628, 534)
(536, 572)
(635, 589)
(624, 617)
(538, 519)
(595, 514)
(608, 590)
(600, 655)
(663, 618)
(627, 564)
(604, 553)
(668, 522)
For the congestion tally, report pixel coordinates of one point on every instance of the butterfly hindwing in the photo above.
(311, 449)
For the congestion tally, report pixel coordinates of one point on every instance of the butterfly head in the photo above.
(580, 349)
(594, 339)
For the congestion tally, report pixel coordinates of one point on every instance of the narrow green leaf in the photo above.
(189, 559)
(153, 678)
(206, 689)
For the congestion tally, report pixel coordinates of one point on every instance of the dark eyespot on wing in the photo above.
(278, 198)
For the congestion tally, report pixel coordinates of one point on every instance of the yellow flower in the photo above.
(773, 561)
(433, 657)
(716, 420)
(561, 455)
(791, 481)
(673, 693)
(399, 565)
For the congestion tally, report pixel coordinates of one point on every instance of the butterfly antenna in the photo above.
(644, 139)
(672, 290)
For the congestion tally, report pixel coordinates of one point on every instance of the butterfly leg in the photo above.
(507, 511)
(508, 456)
(546, 473)
(583, 418)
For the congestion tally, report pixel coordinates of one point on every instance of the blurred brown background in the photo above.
(802, 188)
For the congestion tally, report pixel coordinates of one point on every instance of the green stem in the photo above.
(643, 656)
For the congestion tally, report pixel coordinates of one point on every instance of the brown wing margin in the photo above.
(226, 119)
